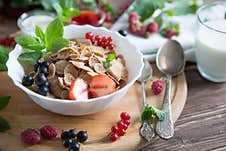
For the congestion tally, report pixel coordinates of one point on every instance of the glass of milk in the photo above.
(28, 21)
(211, 42)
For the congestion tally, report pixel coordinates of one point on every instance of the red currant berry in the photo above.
(113, 137)
(121, 132)
(127, 122)
(121, 125)
(114, 129)
(98, 38)
(109, 39)
(104, 39)
(99, 43)
(125, 116)
(103, 44)
(89, 35)
(110, 46)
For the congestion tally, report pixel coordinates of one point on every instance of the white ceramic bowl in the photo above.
(134, 64)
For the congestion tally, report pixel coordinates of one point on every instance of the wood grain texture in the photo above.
(23, 113)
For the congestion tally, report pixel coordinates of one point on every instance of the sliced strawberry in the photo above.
(78, 90)
(101, 85)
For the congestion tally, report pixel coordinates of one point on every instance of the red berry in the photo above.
(127, 122)
(125, 116)
(74, 22)
(133, 17)
(157, 87)
(169, 33)
(121, 125)
(110, 46)
(89, 35)
(30, 136)
(104, 39)
(121, 132)
(113, 137)
(98, 38)
(48, 132)
(114, 129)
(153, 27)
(109, 39)
(142, 31)
(108, 17)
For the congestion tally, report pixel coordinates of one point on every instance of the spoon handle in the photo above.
(143, 94)
(165, 128)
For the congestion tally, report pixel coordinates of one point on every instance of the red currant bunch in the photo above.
(121, 127)
(102, 41)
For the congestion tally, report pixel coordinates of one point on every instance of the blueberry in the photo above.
(40, 79)
(74, 146)
(35, 68)
(46, 64)
(39, 62)
(64, 135)
(46, 84)
(82, 136)
(123, 32)
(28, 80)
(72, 133)
(43, 69)
(67, 142)
(43, 90)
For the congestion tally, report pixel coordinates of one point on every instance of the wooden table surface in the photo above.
(202, 124)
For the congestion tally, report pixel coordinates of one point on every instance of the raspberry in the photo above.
(153, 27)
(169, 33)
(48, 132)
(30, 136)
(142, 31)
(133, 17)
(157, 87)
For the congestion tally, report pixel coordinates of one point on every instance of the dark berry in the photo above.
(64, 135)
(39, 62)
(35, 68)
(74, 146)
(48, 132)
(28, 80)
(46, 64)
(40, 79)
(46, 84)
(67, 142)
(72, 133)
(43, 69)
(82, 136)
(43, 90)
(123, 32)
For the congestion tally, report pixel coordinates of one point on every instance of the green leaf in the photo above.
(29, 42)
(149, 112)
(58, 9)
(4, 101)
(4, 55)
(56, 44)
(39, 33)
(107, 64)
(4, 125)
(29, 57)
(54, 30)
(146, 8)
(111, 56)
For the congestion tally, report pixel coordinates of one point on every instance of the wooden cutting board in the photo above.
(23, 113)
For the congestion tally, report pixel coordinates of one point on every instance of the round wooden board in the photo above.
(23, 113)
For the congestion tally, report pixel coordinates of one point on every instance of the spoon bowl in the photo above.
(170, 58)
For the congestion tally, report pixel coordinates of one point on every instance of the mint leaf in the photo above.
(111, 56)
(54, 30)
(4, 55)
(107, 64)
(30, 56)
(39, 33)
(150, 111)
(29, 42)
(146, 8)
(4, 125)
(56, 44)
(4, 101)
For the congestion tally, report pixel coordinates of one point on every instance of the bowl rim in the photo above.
(129, 84)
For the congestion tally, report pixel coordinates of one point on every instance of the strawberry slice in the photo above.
(78, 90)
(101, 85)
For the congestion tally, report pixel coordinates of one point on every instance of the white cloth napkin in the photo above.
(149, 46)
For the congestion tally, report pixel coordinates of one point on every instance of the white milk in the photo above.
(30, 23)
(211, 50)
